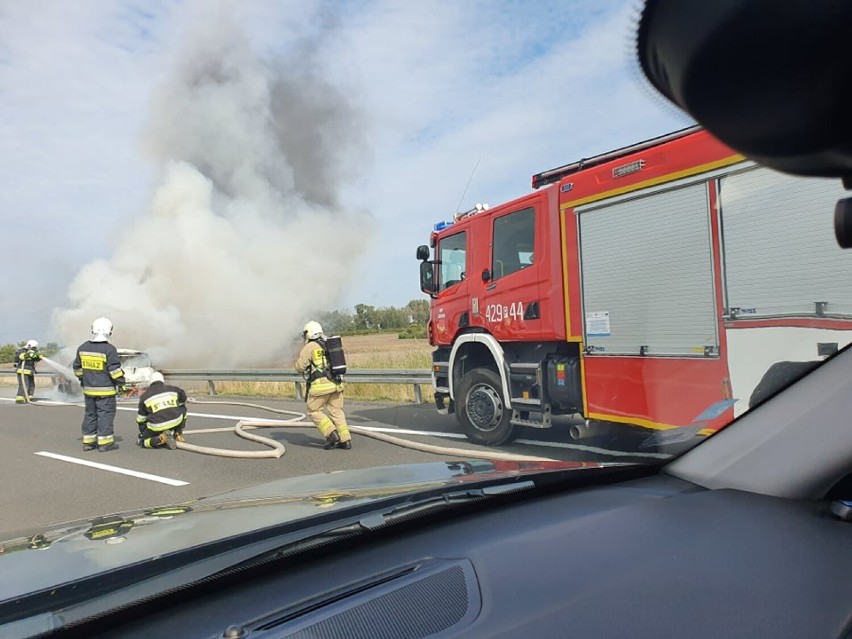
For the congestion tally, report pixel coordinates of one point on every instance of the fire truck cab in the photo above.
(640, 287)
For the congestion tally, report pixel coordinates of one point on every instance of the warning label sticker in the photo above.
(597, 324)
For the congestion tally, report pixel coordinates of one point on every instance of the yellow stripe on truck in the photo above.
(695, 170)
(635, 421)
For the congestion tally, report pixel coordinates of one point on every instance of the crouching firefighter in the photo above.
(324, 389)
(98, 368)
(162, 415)
(25, 361)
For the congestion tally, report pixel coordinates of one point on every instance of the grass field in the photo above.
(384, 350)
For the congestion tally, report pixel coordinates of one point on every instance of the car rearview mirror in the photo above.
(769, 79)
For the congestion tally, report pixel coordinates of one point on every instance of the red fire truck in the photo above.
(643, 286)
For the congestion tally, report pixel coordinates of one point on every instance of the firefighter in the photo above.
(98, 368)
(162, 414)
(323, 392)
(25, 360)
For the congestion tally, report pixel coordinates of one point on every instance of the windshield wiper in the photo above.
(438, 503)
(417, 506)
(408, 511)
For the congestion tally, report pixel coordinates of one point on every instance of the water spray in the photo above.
(66, 372)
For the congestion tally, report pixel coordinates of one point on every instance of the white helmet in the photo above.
(312, 330)
(32, 344)
(101, 329)
(157, 376)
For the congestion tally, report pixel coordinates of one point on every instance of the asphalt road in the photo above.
(44, 481)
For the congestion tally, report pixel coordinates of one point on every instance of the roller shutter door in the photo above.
(781, 257)
(647, 275)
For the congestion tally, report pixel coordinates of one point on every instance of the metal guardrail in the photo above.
(415, 377)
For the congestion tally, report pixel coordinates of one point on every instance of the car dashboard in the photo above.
(651, 557)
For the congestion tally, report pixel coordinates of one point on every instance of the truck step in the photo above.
(532, 402)
(444, 404)
(530, 423)
(544, 422)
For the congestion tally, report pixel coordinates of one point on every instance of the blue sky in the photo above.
(95, 105)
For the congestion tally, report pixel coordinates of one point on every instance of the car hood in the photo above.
(47, 558)
(137, 374)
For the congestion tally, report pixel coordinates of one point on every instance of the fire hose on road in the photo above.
(297, 420)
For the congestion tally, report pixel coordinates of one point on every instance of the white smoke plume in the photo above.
(245, 237)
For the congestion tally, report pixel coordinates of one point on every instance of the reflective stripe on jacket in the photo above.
(25, 360)
(162, 407)
(312, 361)
(98, 368)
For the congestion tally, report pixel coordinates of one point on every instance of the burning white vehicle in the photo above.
(137, 369)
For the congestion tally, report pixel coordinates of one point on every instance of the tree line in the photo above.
(409, 321)
(7, 351)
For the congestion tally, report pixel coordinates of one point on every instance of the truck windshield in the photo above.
(452, 251)
(513, 242)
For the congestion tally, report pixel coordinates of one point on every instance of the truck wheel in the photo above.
(483, 416)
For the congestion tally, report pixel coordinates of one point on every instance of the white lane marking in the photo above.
(114, 469)
(215, 416)
(526, 442)
(592, 449)
(407, 431)
(49, 402)
(237, 418)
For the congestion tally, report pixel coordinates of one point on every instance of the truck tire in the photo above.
(480, 409)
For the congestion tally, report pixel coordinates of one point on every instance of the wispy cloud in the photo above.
(517, 87)
(72, 95)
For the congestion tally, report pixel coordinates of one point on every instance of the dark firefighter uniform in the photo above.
(25, 361)
(98, 368)
(161, 416)
(323, 393)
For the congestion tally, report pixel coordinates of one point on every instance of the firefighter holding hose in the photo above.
(324, 389)
(25, 360)
(162, 415)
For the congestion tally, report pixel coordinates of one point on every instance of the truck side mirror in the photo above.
(422, 252)
(427, 278)
(486, 275)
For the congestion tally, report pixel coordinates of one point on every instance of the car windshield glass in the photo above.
(606, 282)
(135, 360)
